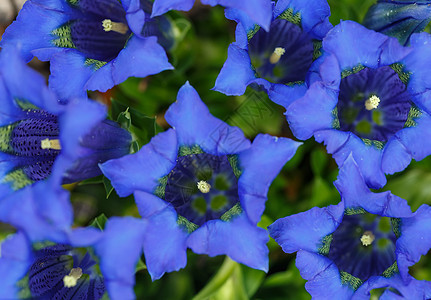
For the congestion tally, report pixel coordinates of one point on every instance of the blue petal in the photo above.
(398, 18)
(164, 241)
(135, 15)
(415, 239)
(32, 30)
(236, 73)
(237, 238)
(69, 84)
(141, 57)
(142, 170)
(419, 84)
(42, 212)
(417, 139)
(415, 289)
(16, 257)
(260, 164)
(14, 72)
(305, 231)
(162, 6)
(312, 112)
(119, 251)
(368, 158)
(244, 21)
(355, 193)
(284, 95)
(396, 157)
(82, 237)
(353, 44)
(260, 11)
(323, 277)
(314, 15)
(196, 126)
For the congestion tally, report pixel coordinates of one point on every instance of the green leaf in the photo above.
(99, 222)
(108, 186)
(124, 119)
(319, 160)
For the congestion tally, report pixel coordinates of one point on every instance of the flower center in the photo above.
(53, 273)
(276, 55)
(363, 245)
(367, 115)
(71, 279)
(282, 55)
(367, 238)
(202, 187)
(100, 32)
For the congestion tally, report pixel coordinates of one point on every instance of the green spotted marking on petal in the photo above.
(317, 49)
(25, 105)
(63, 36)
(234, 163)
(160, 189)
(94, 63)
(18, 179)
(186, 224)
(252, 32)
(350, 211)
(186, 150)
(354, 70)
(232, 213)
(378, 144)
(336, 120)
(389, 272)
(414, 113)
(396, 226)
(5, 137)
(73, 2)
(403, 75)
(326, 245)
(290, 16)
(350, 280)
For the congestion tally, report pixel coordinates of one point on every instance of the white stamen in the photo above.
(372, 102)
(71, 279)
(276, 55)
(204, 187)
(50, 144)
(108, 25)
(367, 238)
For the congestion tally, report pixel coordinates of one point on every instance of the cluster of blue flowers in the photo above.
(202, 185)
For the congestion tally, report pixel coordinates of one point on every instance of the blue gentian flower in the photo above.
(260, 11)
(82, 265)
(92, 44)
(201, 185)
(365, 242)
(399, 19)
(370, 97)
(277, 60)
(43, 144)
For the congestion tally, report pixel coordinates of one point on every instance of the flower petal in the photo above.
(260, 164)
(142, 170)
(196, 126)
(237, 238)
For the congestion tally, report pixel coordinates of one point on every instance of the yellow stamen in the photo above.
(204, 186)
(50, 144)
(108, 25)
(276, 55)
(372, 102)
(71, 279)
(367, 238)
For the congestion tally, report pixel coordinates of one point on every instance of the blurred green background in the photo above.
(203, 35)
